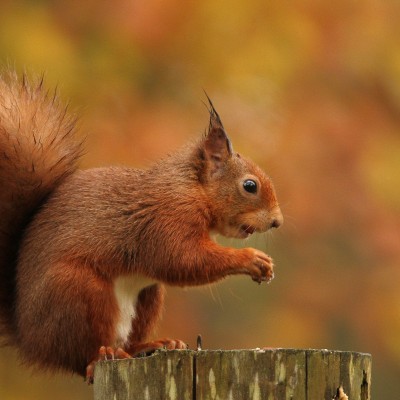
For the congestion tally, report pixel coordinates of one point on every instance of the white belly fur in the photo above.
(126, 290)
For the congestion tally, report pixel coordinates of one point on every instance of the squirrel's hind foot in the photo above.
(151, 347)
(105, 353)
(109, 353)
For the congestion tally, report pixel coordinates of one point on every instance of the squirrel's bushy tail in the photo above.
(38, 149)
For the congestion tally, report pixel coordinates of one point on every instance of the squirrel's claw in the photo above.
(104, 353)
(150, 347)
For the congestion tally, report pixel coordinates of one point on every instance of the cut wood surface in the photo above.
(273, 374)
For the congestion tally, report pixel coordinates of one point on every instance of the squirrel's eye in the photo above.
(250, 186)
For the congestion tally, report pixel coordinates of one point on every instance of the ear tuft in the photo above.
(214, 116)
(218, 147)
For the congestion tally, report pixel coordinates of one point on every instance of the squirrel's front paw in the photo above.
(261, 267)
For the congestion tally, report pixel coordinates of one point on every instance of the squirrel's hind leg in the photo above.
(64, 315)
(147, 313)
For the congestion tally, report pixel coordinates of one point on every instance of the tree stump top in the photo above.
(272, 374)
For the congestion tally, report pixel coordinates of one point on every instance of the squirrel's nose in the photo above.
(275, 223)
(276, 218)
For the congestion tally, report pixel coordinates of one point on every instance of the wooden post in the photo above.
(276, 374)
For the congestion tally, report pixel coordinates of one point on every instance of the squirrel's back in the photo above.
(38, 149)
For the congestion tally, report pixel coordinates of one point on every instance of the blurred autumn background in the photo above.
(310, 90)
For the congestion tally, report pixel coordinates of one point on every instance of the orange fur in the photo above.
(77, 232)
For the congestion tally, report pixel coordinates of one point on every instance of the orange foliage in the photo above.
(310, 90)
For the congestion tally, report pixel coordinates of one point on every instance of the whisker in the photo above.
(217, 299)
(234, 295)
(290, 222)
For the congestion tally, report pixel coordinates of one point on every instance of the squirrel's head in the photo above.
(242, 196)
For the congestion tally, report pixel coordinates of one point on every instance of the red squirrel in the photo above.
(85, 254)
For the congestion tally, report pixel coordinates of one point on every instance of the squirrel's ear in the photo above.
(217, 146)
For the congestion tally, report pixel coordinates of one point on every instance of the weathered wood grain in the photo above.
(163, 375)
(273, 374)
(326, 370)
(250, 374)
